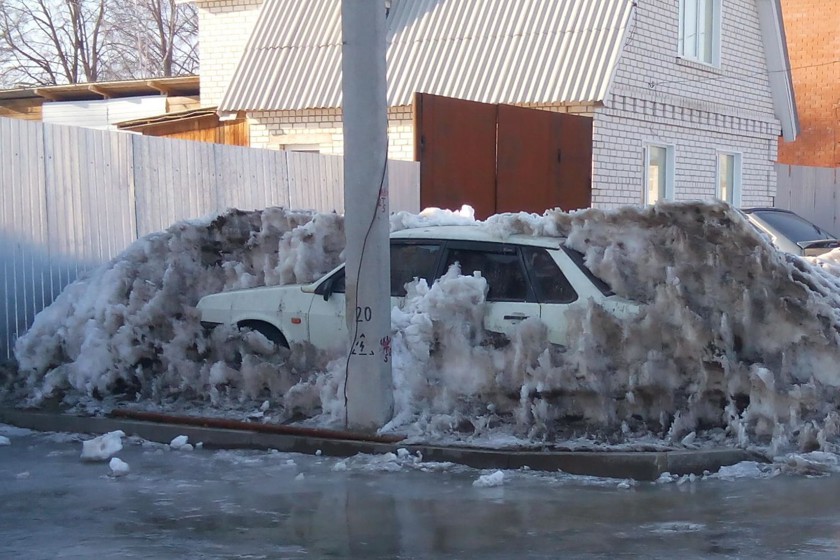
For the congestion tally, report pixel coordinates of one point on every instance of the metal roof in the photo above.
(499, 51)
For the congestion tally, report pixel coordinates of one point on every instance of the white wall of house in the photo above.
(224, 27)
(700, 110)
(321, 130)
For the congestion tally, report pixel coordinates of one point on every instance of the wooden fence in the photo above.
(811, 192)
(73, 198)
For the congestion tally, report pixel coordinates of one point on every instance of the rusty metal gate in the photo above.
(501, 158)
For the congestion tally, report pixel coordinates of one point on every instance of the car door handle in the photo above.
(516, 317)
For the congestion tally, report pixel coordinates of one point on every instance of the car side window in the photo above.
(550, 284)
(410, 261)
(503, 271)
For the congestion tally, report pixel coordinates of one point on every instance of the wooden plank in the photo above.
(404, 186)
(783, 185)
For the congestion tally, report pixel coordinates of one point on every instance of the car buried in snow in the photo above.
(790, 232)
(527, 276)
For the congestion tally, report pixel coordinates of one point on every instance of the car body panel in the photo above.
(280, 306)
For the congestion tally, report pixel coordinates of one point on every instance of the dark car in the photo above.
(792, 233)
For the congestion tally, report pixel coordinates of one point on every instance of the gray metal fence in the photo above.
(72, 198)
(811, 192)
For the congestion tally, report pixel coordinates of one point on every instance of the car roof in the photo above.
(765, 209)
(477, 232)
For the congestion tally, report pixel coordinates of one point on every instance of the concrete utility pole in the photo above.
(368, 391)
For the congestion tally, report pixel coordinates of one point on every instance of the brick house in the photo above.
(688, 97)
(813, 38)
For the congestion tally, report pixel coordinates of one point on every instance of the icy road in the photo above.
(168, 502)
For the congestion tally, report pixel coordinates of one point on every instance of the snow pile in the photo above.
(131, 326)
(736, 344)
(103, 447)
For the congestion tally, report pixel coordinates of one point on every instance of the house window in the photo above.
(659, 173)
(729, 178)
(700, 30)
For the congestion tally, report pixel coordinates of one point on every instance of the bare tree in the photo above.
(53, 41)
(158, 37)
(70, 41)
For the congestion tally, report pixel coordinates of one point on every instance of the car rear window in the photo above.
(794, 227)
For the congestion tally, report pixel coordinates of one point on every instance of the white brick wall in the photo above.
(224, 27)
(700, 110)
(323, 128)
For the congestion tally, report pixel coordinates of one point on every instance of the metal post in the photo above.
(368, 389)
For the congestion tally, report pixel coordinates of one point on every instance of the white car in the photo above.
(527, 276)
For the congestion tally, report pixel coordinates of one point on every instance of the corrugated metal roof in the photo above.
(499, 51)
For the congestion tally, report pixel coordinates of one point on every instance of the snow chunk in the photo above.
(490, 480)
(103, 447)
(118, 467)
(180, 443)
(744, 469)
(5, 441)
(433, 216)
(814, 463)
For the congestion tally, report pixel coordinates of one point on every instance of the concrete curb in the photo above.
(638, 465)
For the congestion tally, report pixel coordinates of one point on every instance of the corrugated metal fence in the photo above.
(73, 198)
(811, 192)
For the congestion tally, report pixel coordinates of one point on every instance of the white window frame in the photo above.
(737, 161)
(714, 27)
(670, 168)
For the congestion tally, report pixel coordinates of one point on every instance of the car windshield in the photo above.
(793, 227)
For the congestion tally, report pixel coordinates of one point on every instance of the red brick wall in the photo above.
(813, 37)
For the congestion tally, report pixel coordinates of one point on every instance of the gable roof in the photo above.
(490, 50)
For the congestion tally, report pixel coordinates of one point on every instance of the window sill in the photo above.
(697, 65)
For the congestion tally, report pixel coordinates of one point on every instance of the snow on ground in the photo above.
(736, 344)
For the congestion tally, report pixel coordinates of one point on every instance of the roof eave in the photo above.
(778, 66)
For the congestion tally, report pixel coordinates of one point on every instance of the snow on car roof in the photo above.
(476, 232)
